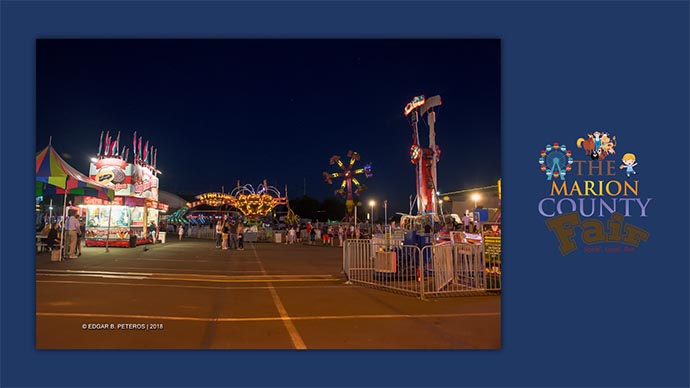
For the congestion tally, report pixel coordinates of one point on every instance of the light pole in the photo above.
(385, 214)
(355, 215)
(476, 197)
(372, 203)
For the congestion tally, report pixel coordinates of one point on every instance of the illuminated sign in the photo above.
(98, 201)
(145, 182)
(414, 104)
(156, 205)
(133, 201)
(212, 196)
(114, 173)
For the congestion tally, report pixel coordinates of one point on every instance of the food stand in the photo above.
(123, 221)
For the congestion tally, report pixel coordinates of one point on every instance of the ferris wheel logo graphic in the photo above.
(556, 160)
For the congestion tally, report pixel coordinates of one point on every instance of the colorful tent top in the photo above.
(53, 170)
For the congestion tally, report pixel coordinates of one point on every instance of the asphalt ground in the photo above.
(189, 295)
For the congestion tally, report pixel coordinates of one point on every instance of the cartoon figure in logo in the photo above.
(588, 145)
(555, 161)
(607, 146)
(629, 161)
(596, 137)
(598, 145)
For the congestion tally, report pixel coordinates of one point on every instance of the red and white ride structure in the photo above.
(424, 159)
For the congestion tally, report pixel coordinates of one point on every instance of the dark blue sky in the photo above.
(222, 110)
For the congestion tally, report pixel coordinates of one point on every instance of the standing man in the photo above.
(81, 234)
(466, 222)
(240, 237)
(72, 228)
(233, 234)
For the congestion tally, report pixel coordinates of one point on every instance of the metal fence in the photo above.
(433, 271)
(206, 233)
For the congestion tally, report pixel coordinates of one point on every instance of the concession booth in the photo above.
(123, 221)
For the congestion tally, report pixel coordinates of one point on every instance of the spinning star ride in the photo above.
(348, 176)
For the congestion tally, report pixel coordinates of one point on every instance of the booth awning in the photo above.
(54, 175)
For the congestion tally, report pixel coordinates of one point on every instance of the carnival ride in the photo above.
(348, 176)
(291, 218)
(424, 159)
(252, 203)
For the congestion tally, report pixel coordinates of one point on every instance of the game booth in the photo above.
(123, 221)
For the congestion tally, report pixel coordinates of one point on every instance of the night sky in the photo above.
(223, 110)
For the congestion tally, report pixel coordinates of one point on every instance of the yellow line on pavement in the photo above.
(201, 280)
(191, 275)
(77, 282)
(72, 271)
(292, 330)
(266, 319)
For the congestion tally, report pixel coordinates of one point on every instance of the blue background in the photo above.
(568, 68)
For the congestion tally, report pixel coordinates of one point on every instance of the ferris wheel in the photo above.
(556, 160)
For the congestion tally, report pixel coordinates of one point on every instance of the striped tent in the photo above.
(55, 176)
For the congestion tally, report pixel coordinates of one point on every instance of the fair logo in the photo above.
(593, 196)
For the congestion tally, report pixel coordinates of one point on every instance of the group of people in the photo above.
(229, 235)
(326, 234)
(72, 230)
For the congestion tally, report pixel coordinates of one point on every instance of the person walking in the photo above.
(340, 235)
(152, 232)
(180, 231)
(291, 235)
(330, 235)
(240, 237)
(219, 234)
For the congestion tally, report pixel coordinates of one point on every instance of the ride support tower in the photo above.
(424, 159)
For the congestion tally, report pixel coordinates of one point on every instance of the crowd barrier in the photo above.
(433, 271)
(206, 233)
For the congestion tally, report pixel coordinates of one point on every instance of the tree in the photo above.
(333, 208)
(305, 207)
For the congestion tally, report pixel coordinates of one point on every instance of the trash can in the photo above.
(161, 237)
(133, 241)
(279, 237)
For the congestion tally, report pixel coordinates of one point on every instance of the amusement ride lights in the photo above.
(348, 177)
